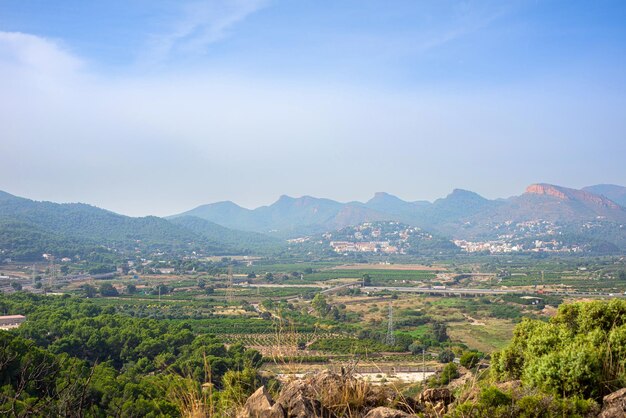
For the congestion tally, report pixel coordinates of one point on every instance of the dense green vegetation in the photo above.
(581, 351)
(74, 358)
(162, 323)
(552, 369)
(29, 229)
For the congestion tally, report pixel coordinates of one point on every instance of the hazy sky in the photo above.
(154, 107)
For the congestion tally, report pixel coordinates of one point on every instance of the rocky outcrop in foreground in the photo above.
(614, 405)
(330, 395)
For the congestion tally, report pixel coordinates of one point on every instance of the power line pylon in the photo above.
(52, 272)
(230, 290)
(391, 339)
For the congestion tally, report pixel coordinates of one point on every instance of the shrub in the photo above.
(449, 373)
(580, 352)
(446, 356)
(470, 359)
(493, 397)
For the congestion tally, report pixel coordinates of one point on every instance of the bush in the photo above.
(449, 373)
(446, 356)
(416, 348)
(470, 359)
(493, 397)
(107, 289)
(580, 352)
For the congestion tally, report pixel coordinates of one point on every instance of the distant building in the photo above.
(11, 321)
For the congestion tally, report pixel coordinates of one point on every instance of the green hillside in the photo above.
(29, 228)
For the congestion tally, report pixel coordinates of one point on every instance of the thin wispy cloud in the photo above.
(468, 24)
(291, 89)
(36, 53)
(202, 24)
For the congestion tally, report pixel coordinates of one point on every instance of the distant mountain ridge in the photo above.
(539, 201)
(565, 193)
(287, 216)
(614, 192)
(462, 214)
(29, 228)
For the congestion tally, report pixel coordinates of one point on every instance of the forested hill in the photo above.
(29, 228)
(226, 237)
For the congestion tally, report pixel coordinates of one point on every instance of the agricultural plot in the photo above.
(378, 277)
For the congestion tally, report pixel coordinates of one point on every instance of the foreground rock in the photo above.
(436, 395)
(325, 395)
(260, 405)
(614, 405)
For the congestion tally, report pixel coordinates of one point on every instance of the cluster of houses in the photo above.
(499, 247)
(342, 247)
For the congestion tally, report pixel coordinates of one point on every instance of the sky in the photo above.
(151, 107)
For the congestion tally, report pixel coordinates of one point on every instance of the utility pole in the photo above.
(391, 339)
(229, 290)
(51, 272)
(423, 365)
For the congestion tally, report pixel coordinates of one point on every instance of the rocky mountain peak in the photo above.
(565, 193)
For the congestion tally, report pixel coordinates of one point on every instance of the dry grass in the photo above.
(494, 335)
(193, 400)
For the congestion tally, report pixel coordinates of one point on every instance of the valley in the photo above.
(397, 304)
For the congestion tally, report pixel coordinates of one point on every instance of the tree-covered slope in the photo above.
(29, 228)
(229, 238)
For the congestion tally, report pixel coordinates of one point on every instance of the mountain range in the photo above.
(461, 214)
(30, 228)
(594, 214)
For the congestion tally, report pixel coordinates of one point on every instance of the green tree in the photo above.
(89, 291)
(449, 373)
(107, 289)
(446, 356)
(367, 280)
(440, 331)
(416, 347)
(320, 305)
(470, 359)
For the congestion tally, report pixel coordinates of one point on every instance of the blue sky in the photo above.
(153, 107)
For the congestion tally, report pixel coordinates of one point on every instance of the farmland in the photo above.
(299, 314)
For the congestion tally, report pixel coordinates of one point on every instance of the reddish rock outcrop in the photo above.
(565, 193)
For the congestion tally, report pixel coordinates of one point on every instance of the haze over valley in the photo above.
(293, 209)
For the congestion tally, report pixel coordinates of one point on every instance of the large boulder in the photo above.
(299, 399)
(435, 396)
(614, 405)
(260, 405)
(325, 394)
